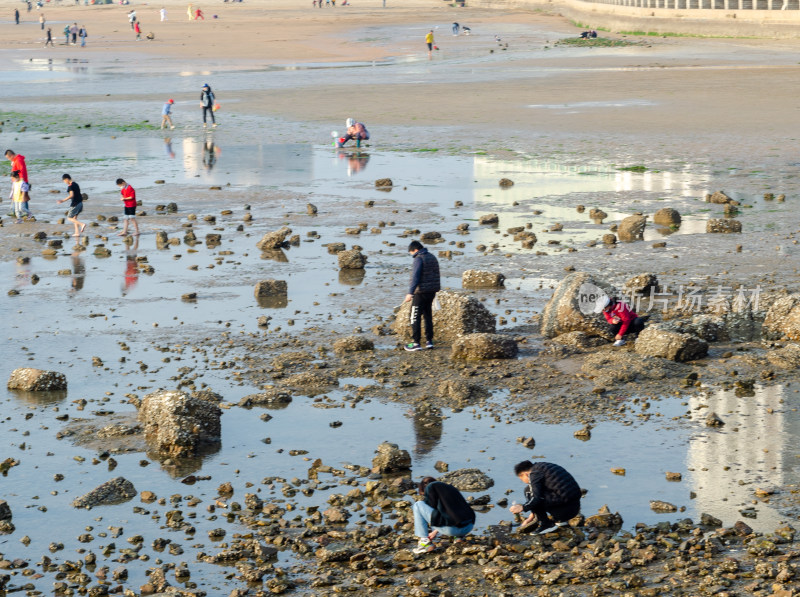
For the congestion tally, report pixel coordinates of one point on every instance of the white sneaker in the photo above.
(424, 546)
(620, 342)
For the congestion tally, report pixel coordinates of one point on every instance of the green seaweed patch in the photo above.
(636, 168)
(425, 150)
(596, 42)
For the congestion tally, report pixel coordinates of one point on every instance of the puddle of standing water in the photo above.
(462, 439)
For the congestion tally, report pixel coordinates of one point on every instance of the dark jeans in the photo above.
(421, 308)
(210, 111)
(559, 512)
(636, 326)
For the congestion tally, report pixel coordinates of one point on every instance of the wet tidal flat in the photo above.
(123, 318)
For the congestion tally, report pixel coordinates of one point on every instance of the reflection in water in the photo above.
(78, 269)
(356, 161)
(168, 147)
(275, 255)
(427, 429)
(276, 301)
(39, 398)
(748, 453)
(23, 275)
(131, 267)
(181, 467)
(210, 153)
(351, 277)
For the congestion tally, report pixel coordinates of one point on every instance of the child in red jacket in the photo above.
(128, 198)
(622, 318)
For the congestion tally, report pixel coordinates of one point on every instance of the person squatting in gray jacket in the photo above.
(425, 283)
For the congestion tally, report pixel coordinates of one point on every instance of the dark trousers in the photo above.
(636, 326)
(210, 110)
(559, 512)
(421, 308)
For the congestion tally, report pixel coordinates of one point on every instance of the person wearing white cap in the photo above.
(355, 130)
(622, 318)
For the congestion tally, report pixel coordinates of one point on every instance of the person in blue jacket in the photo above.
(425, 283)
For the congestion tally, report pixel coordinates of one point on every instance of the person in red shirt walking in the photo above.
(138, 31)
(18, 164)
(129, 201)
(622, 318)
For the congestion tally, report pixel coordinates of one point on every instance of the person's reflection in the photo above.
(356, 161)
(131, 267)
(427, 428)
(210, 152)
(78, 269)
(168, 147)
(23, 277)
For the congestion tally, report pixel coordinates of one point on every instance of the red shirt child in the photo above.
(129, 201)
(128, 196)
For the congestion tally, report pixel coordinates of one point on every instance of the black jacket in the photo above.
(425, 273)
(550, 484)
(450, 509)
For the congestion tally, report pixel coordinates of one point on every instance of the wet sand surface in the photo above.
(563, 123)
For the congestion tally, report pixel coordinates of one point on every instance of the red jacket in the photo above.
(625, 314)
(18, 163)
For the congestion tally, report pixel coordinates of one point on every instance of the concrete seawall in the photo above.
(716, 18)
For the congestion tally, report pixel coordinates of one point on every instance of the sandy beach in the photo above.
(271, 486)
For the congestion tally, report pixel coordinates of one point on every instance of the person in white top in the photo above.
(163, 14)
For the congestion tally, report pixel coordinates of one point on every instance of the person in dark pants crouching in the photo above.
(552, 497)
(425, 283)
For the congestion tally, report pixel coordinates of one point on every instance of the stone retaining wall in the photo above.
(713, 18)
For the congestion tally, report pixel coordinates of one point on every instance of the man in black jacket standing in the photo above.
(550, 491)
(443, 510)
(425, 283)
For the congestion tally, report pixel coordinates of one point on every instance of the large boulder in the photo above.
(783, 319)
(610, 367)
(274, 240)
(641, 284)
(111, 492)
(468, 479)
(655, 341)
(352, 259)
(480, 347)
(5, 510)
(473, 278)
(461, 393)
(667, 216)
(390, 459)
(631, 228)
(787, 357)
(572, 306)
(580, 340)
(177, 424)
(459, 315)
(272, 294)
(271, 288)
(353, 344)
(719, 197)
(36, 380)
(723, 226)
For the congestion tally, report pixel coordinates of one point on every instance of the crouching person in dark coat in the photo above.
(552, 497)
(443, 511)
